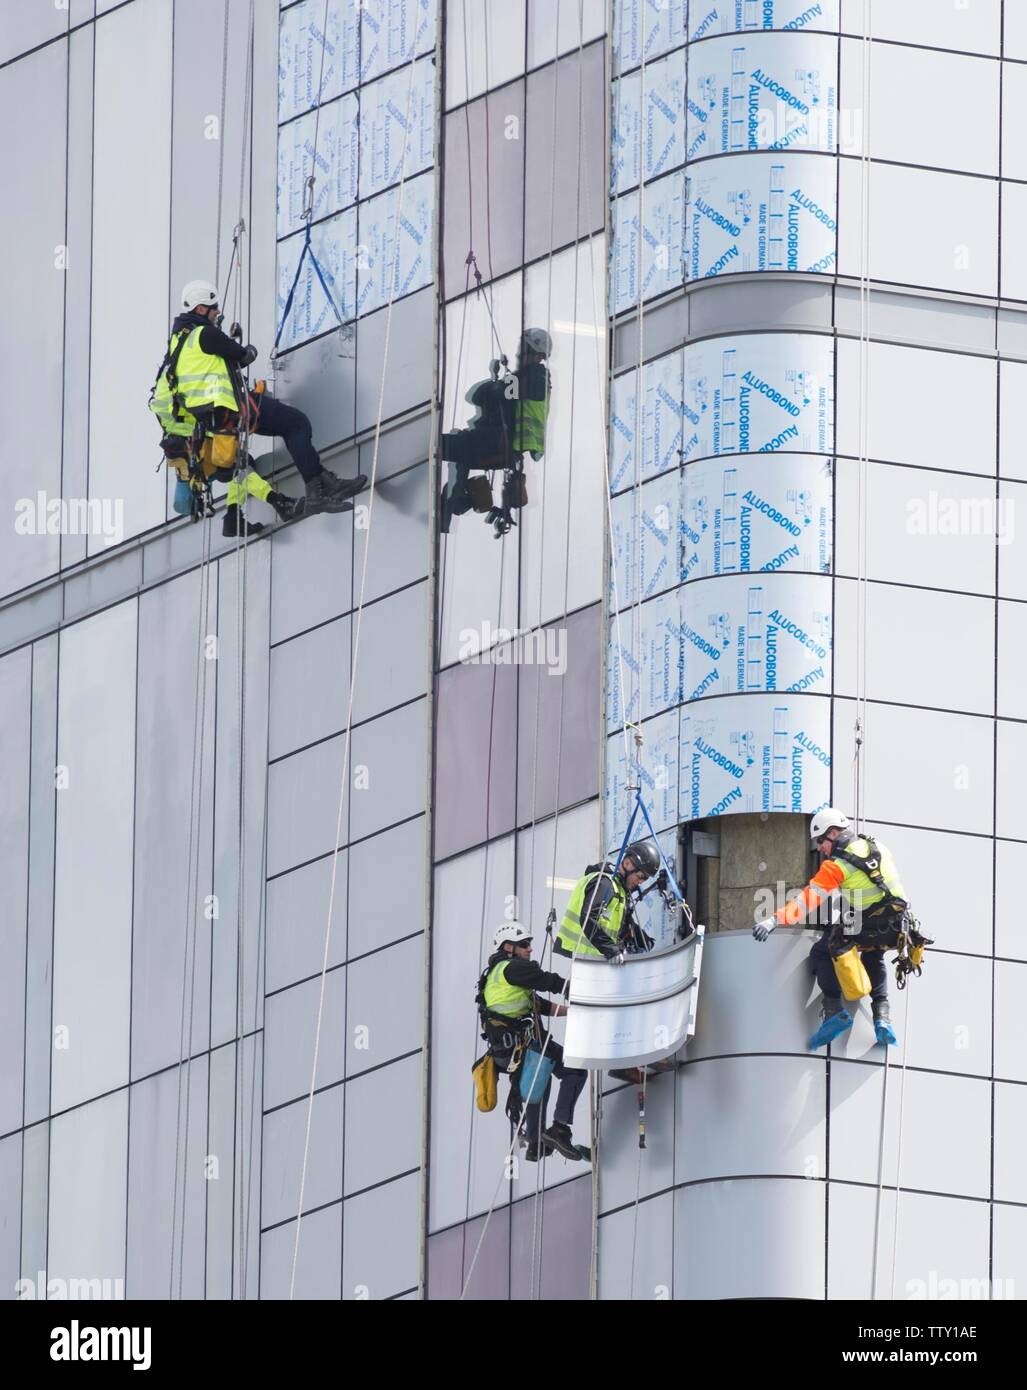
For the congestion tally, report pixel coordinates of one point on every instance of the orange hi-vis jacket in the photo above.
(827, 880)
(854, 883)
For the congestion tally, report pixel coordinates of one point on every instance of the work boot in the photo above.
(837, 1020)
(286, 508)
(330, 493)
(882, 1022)
(235, 524)
(532, 1154)
(560, 1137)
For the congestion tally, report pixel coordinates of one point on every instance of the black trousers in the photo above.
(572, 1082)
(287, 423)
(830, 944)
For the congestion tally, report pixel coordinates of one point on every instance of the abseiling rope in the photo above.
(355, 661)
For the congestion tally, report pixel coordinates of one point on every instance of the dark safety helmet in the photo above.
(646, 855)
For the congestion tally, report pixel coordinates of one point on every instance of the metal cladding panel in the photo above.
(762, 752)
(316, 60)
(756, 632)
(750, 516)
(744, 16)
(759, 393)
(763, 92)
(630, 1014)
(768, 211)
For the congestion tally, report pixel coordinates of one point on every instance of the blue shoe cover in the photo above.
(885, 1033)
(830, 1029)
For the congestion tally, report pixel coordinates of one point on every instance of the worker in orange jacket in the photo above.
(863, 875)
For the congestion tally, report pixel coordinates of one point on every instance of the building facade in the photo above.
(268, 803)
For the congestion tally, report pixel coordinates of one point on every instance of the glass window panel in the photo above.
(476, 722)
(393, 751)
(921, 767)
(558, 28)
(972, 28)
(373, 921)
(563, 525)
(316, 60)
(565, 156)
(546, 875)
(310, 674)
(397, 537)
(479, 583)
(289, 1032)
(166, 1256)
(303, 805)
(34, 1194)
(88, 1177)
(472, 896)
(10, 1213)
(312, 568)
(338, 151)
(484, 47)
(393, 653)
(43, 813)
(15, 753)
(395, 255)
(317, 1268)
(402, 102)
(558, 744)
(282, 1160)
(93, 912)
(32, 96)
(386, 1103)
(933, 439)
(79, 233)
(391, 30)
(171, 936)
(384, 998)
(28, 24)
(561, 1246)
(377, 1268)
(926, 528)
(484, 188)
(406, 372)
(949, 221)
(962, 94)
(297, 914)
(451, 1254)
(247, 790)
(131, 130)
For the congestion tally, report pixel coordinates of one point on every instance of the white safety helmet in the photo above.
(198, 292)
(830, 818)
(537, 340)
(511, 931)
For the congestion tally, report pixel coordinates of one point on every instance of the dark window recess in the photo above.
(739, 867)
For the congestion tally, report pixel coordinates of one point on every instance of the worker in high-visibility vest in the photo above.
(598, 920)
(511, 414)
(862, 873)
(510, 1009)
(196, 386)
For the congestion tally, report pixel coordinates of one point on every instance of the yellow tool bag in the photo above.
(484, 1074)
(852, 974)
(218, 451)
